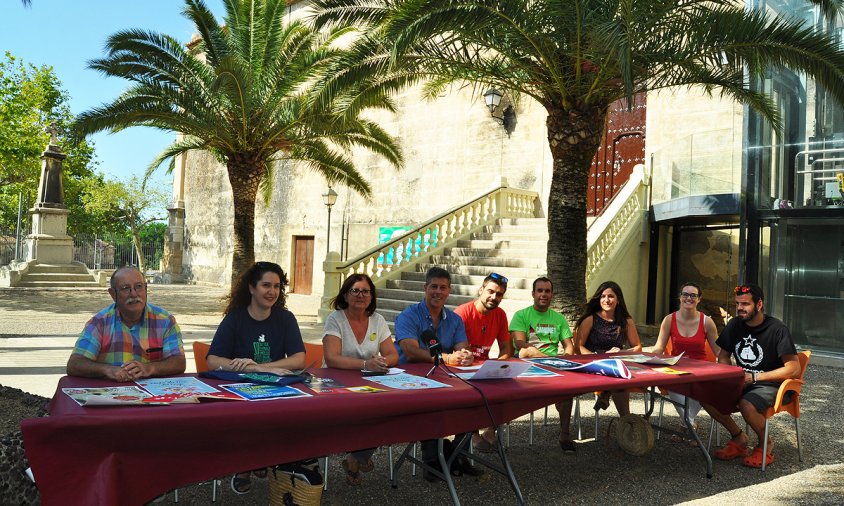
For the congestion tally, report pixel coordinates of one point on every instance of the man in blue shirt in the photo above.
(431, 314)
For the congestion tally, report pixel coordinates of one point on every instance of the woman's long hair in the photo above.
(339, 302)
(241, 297)
(594, 305)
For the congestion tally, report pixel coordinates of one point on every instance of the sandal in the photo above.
(369, 466)
(485, 446)
(353, 478)
(733, 450)
(260, 473)
(241, 486)
(755, 458)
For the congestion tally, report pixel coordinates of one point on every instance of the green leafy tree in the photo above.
(251, 92)
(30, 99)
(575, 58)
(136, 202)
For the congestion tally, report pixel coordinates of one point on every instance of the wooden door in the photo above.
(303, 264)
(622, 147)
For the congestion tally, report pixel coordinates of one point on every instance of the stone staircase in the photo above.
(502, 230)
(74, 275)
(513, 247)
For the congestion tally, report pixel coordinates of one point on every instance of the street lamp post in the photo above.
(328, 198)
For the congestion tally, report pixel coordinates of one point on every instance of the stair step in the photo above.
(418, 279)
(461, 288)
(526, 253)
(57, 268)
(57, 277)
(480, 270)
(496, 262)
(59, 284)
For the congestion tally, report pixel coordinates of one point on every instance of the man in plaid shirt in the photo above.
(130, 339)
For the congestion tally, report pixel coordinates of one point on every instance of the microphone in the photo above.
(429, 337)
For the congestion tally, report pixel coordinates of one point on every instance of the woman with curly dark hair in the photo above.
(606, 327)
(257, 334)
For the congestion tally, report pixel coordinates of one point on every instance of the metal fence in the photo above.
(95, 251)
(110, 251)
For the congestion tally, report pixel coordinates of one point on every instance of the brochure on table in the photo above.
(406, 382)
(261, 392)
(107, 396)
(500, 369)
(182, 390)
(651, 360)
(612, 367)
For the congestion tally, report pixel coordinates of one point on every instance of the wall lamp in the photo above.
(492, 99)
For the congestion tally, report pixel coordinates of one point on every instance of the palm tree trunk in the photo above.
(574, 137)
(244, 180)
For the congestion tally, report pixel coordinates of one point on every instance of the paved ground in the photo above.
(38, 328)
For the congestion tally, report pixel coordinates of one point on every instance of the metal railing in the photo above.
(112, 251)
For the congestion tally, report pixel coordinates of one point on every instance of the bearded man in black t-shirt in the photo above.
(762, 346)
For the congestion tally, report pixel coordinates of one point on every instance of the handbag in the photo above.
(295, 484)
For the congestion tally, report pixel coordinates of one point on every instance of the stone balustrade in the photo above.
(385, 261)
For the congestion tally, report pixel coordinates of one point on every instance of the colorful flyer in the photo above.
(106, 396)
(406, 382)
(322, 385)
(259, 392)
(611, 367)
(367, 390)
(183, 386)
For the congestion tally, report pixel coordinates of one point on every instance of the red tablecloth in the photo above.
(129, 455)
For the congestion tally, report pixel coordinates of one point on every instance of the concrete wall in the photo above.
(454, 150)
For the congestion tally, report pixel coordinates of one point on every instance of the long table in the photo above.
(130, 455)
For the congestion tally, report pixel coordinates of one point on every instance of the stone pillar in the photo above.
(49, 243)
(174, 241)
(171, 261)
(331, 284)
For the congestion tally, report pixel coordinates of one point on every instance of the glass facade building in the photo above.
(773, 200)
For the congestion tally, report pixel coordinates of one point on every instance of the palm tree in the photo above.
(575, 58)
(252, 91)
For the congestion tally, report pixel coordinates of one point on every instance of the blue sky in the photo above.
(65, 34)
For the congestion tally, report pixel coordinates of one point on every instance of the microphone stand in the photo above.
(437, 359)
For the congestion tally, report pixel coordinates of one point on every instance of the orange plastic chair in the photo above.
(200, 351)
(792, 407)
(313, 354)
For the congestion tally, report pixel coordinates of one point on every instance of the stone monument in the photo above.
(49, 250)
(49, 243)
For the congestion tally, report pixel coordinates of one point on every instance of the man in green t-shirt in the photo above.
(539, 331)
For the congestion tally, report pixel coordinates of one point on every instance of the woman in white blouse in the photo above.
(356, 337)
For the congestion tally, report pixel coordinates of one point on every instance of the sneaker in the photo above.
(567, 447)
(466, 467)
(428, 475)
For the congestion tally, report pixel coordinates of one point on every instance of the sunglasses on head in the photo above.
(741, 290)
(498, 277)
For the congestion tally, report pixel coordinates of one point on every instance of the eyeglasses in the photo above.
(127, 289)
(687, 295)
(363, 292)
(741, 289)
(497, 277)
